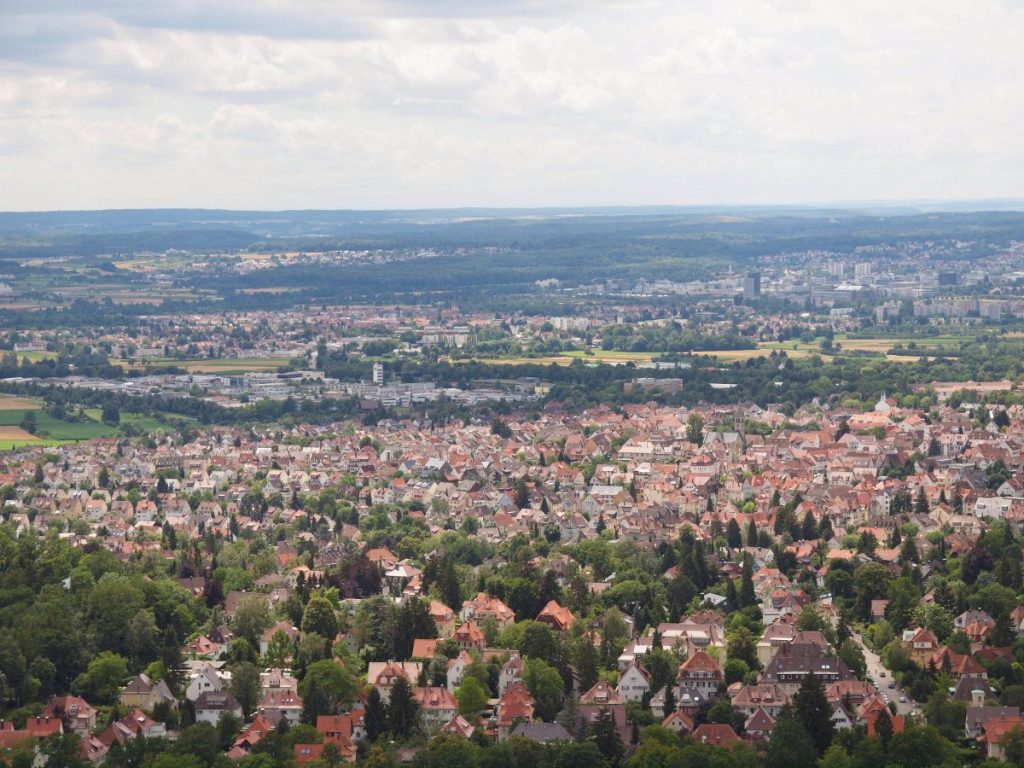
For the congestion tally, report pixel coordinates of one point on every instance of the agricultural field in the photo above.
(15, 403)
(612, 357)
(220, 365)
(52, 428)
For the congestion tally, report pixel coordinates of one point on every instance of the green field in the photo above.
(216, 365)
(10, 445)
(58, 429)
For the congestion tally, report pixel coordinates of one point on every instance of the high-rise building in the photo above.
(752, 285)
(378, 374)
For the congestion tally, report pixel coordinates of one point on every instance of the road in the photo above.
(876, 672)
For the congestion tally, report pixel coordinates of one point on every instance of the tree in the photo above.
(812, 710)
(790, 746)
(1013, 746)
(883, 725)
(376, 717)
(143, 639)
(606, 736)
(245, 686)
(325, 686)
(670, 699)
(252, 619)
(853, 656)
(402, 709)
(110, 414)
(279, 650)
(733, 535)
(319, 617)
(103, 677)
(587, 663)
(747, 595)
(545, 685)
(695, 429)
(922, 747)
(870, 582)
(472, 698)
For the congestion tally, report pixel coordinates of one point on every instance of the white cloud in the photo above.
(272, 103)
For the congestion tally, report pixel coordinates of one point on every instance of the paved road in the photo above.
(876, 672)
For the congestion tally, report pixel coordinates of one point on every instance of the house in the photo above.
(922, 645)
(603, 698)
(444, 618)
(542, 733)
(634, 683)
(979, 716)
(77, 715)
(795, 661)
(701, 672)
(459, 726)
(995, 731)
(281, 704)
(250, 736)
(206, 678)
(556, 617)
(143, 693)
(716, 735)
(511, 671)
(469, 637)
(483, 606)
(437, 707)
(383, 674)
(457, 669)
(135, 723)
(292, 633)
(210, 706)
(767, 697)
(759, 725)
(514, 706)
(678, 722)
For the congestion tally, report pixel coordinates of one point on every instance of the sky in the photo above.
(283, 104)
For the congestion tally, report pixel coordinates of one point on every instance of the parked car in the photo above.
(892, 683)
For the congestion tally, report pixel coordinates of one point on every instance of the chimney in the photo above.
(977, 698)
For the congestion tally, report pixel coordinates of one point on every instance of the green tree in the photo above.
(472, 698)
(402, 709)
(606, 736)
(376, 717)
(104, 677)
(922, 747)
(252, 619)
(695, 429)
(812, 710)
(245, 686)
(325, 686)
(545, 685)
(790, 745)
(319, 617)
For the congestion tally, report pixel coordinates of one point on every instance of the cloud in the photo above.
(360, 103)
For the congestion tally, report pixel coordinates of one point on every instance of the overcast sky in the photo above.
(435, 103)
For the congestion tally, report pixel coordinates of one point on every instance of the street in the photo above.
(875, 674)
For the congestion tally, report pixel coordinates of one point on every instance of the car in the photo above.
(892, 684)
(882, 673)
(903, 699)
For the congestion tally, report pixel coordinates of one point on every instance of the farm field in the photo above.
(223, 365)
(15, 403)
(57, 429)
(613, 356)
